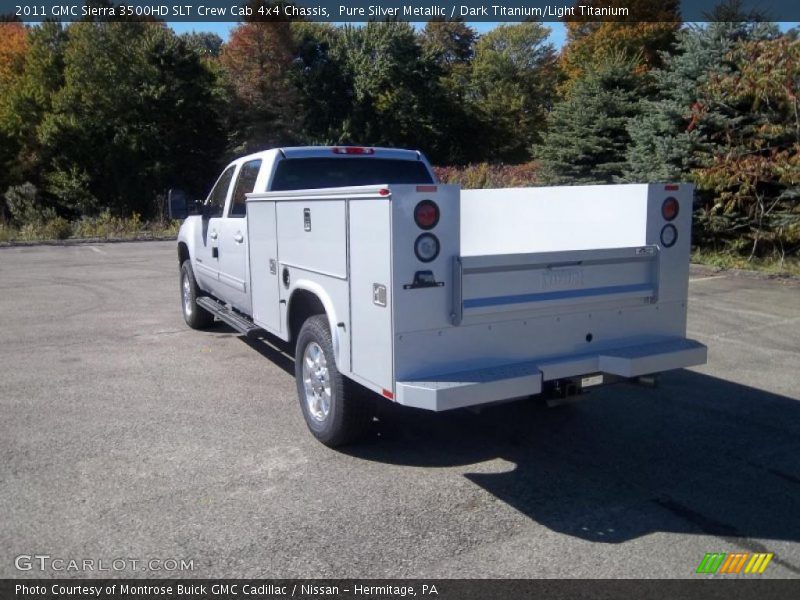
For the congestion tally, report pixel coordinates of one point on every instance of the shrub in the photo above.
(25, 205)
(7, 233)
(56, 229)
(71, 188)
(485, 175)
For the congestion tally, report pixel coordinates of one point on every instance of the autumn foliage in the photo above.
(755, 176)
(591, 43)
(13, 45)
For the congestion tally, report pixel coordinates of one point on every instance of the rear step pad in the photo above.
(239, 322)
(467, 388)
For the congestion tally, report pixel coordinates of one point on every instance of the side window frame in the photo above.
(259, 163)
(221, 211)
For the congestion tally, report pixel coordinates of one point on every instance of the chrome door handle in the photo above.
(213, 235)
(238, 238)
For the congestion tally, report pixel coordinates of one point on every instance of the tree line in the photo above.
(105, 116)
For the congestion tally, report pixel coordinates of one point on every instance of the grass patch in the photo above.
(104, 226)
(789, 266)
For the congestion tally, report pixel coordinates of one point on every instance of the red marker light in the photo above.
(428, 189)
(352, 150)
(670, 208)
(426, 214)
(383, 192)
(672, 187)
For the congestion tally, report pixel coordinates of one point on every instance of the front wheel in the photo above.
(334, 411)
(195, 316)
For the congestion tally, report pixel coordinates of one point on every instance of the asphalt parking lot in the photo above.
(126, 434)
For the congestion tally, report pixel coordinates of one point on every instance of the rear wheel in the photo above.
(195, 316)
(333, 409)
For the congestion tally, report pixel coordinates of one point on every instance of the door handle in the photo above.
(213, 235)
(238, 238)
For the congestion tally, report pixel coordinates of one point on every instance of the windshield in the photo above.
(314, 173)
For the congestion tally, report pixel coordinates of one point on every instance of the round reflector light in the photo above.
(426, 214)
(669, 210)
(426, 247)
(669, 235)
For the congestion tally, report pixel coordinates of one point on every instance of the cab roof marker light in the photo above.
(427, 189)
(671, 187)
(352, 150)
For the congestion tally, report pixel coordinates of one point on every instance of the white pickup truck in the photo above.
(388, 282)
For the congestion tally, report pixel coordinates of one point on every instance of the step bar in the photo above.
(470, 388)
(229, 316)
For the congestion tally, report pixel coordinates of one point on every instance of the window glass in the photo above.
(216, 199)
(314, 173)
(245, 184)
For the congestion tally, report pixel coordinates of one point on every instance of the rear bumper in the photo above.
(470, 388)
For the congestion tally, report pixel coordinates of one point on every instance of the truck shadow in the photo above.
(695, 455)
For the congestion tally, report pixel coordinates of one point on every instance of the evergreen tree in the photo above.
(205, 43)
(587, 135)
(666, 143)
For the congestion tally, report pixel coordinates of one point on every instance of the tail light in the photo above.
(426, 214)
(426, 247)
(670, 208)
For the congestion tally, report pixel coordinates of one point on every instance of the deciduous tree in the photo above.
(257, 62)
(755, 171)
(513, 77)
(590, 42)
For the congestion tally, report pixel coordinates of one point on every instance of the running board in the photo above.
(228, 316)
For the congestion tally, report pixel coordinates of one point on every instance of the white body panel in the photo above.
(313, 236)
(530, 285)
(233, 263)
(552, 219)
(264, 273)
(371, 274)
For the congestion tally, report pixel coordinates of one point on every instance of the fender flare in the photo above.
(330, 312)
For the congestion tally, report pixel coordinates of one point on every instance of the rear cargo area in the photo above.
(553, 283)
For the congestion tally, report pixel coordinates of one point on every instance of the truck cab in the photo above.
(216, 240)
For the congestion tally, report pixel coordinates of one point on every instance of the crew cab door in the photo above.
(233, 255)
(207, 242)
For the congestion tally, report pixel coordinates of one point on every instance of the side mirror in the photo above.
(177, 205)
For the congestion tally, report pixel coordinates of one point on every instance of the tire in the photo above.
(334, 410)
(195, 316)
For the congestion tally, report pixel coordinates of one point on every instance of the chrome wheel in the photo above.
(187, 296)
(316, 382)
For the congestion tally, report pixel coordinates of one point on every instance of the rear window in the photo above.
(314, 173)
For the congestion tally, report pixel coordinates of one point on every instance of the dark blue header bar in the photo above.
(403, 10)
